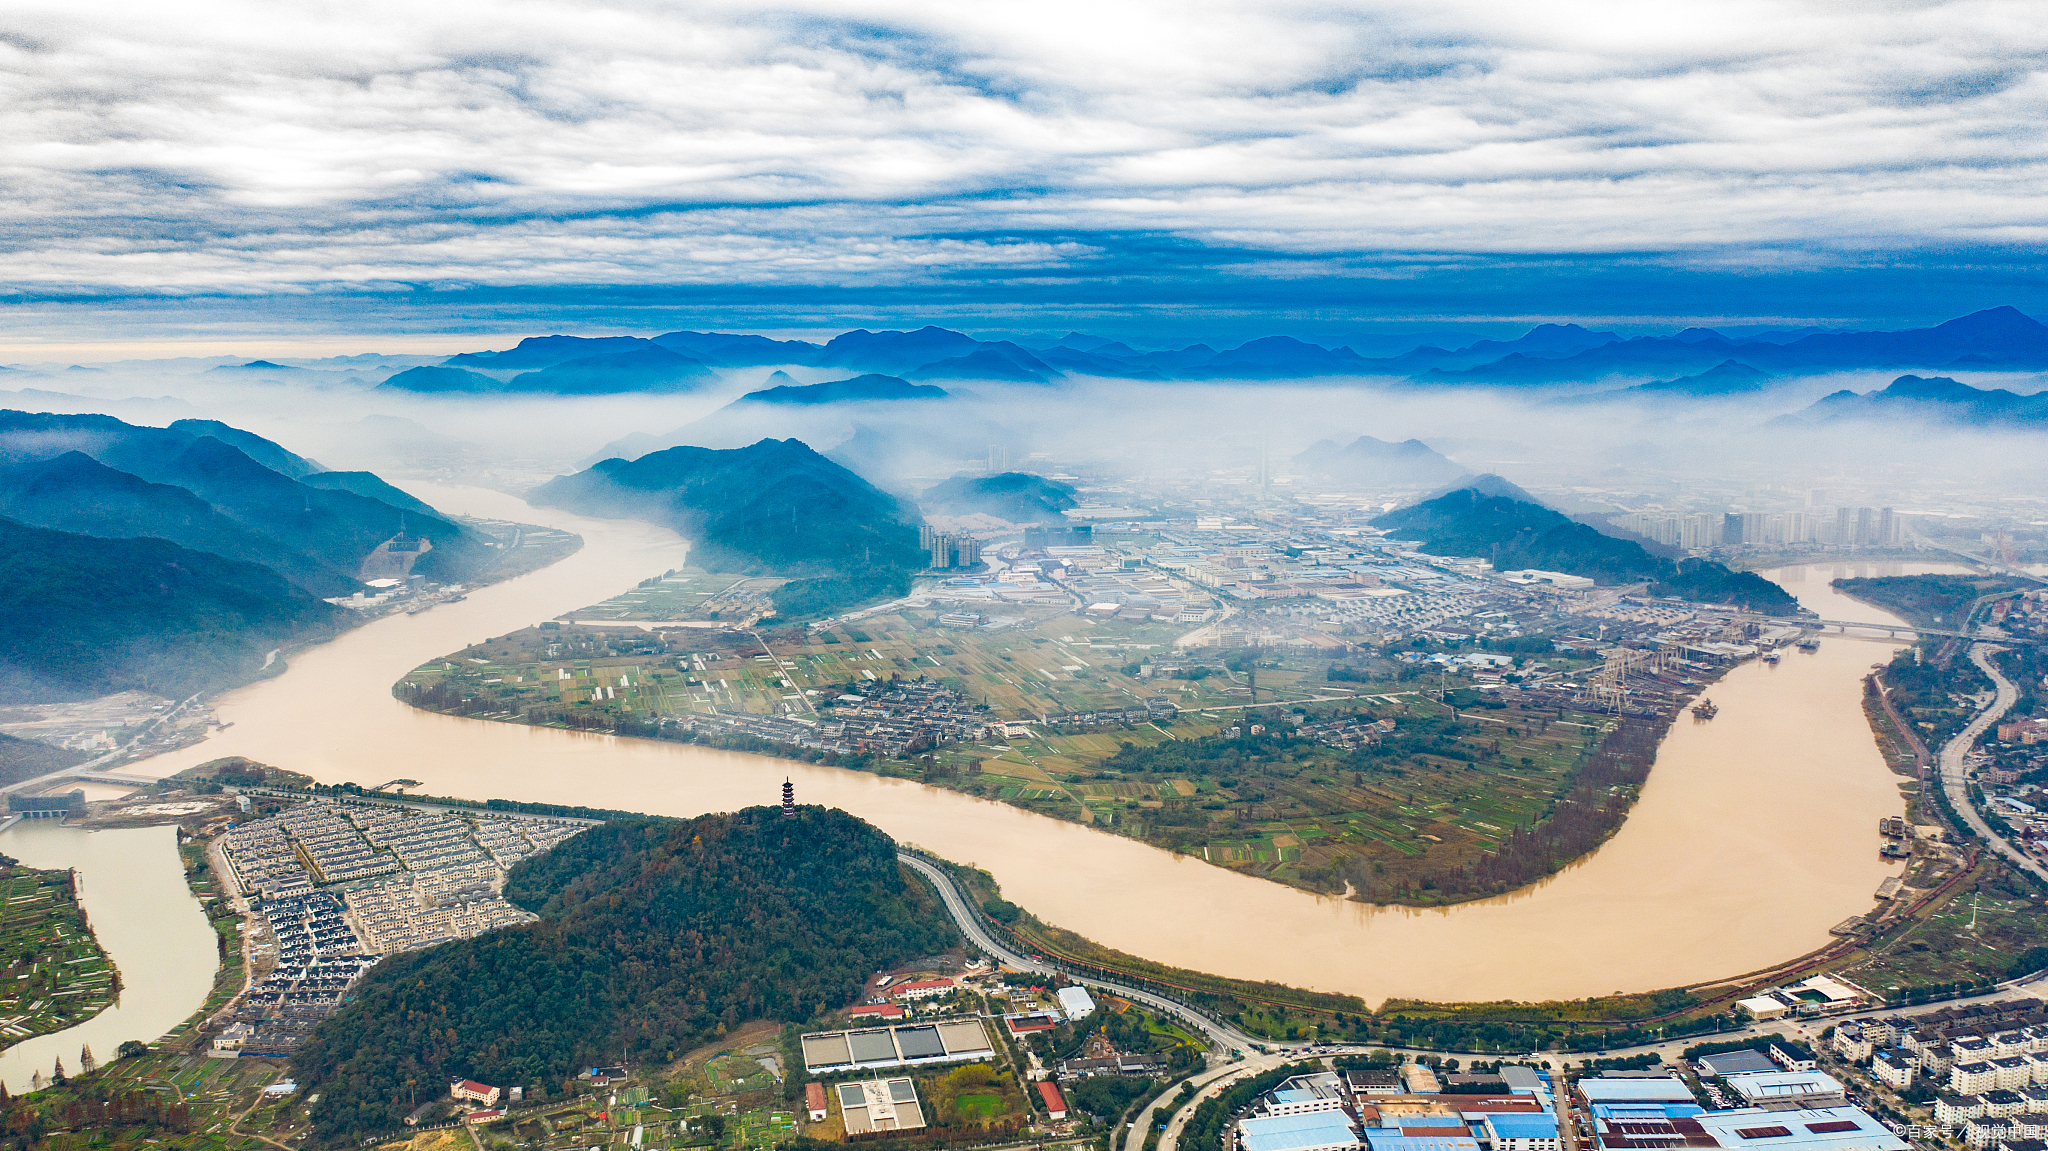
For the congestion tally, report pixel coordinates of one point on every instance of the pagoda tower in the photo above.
(788, 799)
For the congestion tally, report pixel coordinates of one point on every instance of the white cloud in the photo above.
(253, 147)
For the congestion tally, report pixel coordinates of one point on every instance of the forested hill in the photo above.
(774, 506)
(653, 934)
(1515, 534)
(81, 616)
(1015, 496)
(1940, 600)
(214, 488)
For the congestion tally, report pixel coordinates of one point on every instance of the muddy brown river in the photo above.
(1755, 833)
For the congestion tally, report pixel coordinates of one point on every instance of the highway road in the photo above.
(1954, 778)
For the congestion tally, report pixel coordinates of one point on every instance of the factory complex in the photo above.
(1410, 1108)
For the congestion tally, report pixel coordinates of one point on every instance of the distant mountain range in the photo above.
(1373, 463)
(782, 409)
(1516, 534)
(860, 389)
(560, 365)
(171, 559)
(775, 506)
(1728, 378)
(1939, 400)
(1696, 361)
(94, 475)
(1018, 497)
(1997, 338)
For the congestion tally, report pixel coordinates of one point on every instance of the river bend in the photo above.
(1755, 832)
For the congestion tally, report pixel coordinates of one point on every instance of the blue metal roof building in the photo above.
(1512, 1126)
(1393, 1139)
(1315, 1131)
(1646, 1090)
(1819, 1129)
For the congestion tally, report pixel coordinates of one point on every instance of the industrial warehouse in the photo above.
(908, 1045)
(1514, 1109)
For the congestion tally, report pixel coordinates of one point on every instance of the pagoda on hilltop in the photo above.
(788, 799)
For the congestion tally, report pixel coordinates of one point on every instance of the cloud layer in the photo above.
(235, 147)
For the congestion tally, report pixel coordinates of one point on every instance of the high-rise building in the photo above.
(1700, 530)
(1661, 528)
(948, 550)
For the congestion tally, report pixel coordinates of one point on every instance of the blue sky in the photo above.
(1155, 171)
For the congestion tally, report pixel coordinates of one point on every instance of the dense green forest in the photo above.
(776, 506)
(1704, 581)
(1936, 600)
(1515, 534)
(81, 616)
(655, 936)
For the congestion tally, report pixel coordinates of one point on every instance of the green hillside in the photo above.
(1015, 496)
(1515, 534)
(316, 535)
(76, 493)
(655, 936)
(269, 453)
(81, 616)
(25, 759)
(775, 506)
(371, 485)
(1937, 600)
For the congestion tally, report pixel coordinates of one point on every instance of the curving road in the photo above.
(1954, 779)
(1208, 1084)
(1222, 1036)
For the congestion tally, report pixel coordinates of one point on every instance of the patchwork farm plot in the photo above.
(687, 594)
(738, 1074)
(188, 1102)
(52, 972)
(1104, 722)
